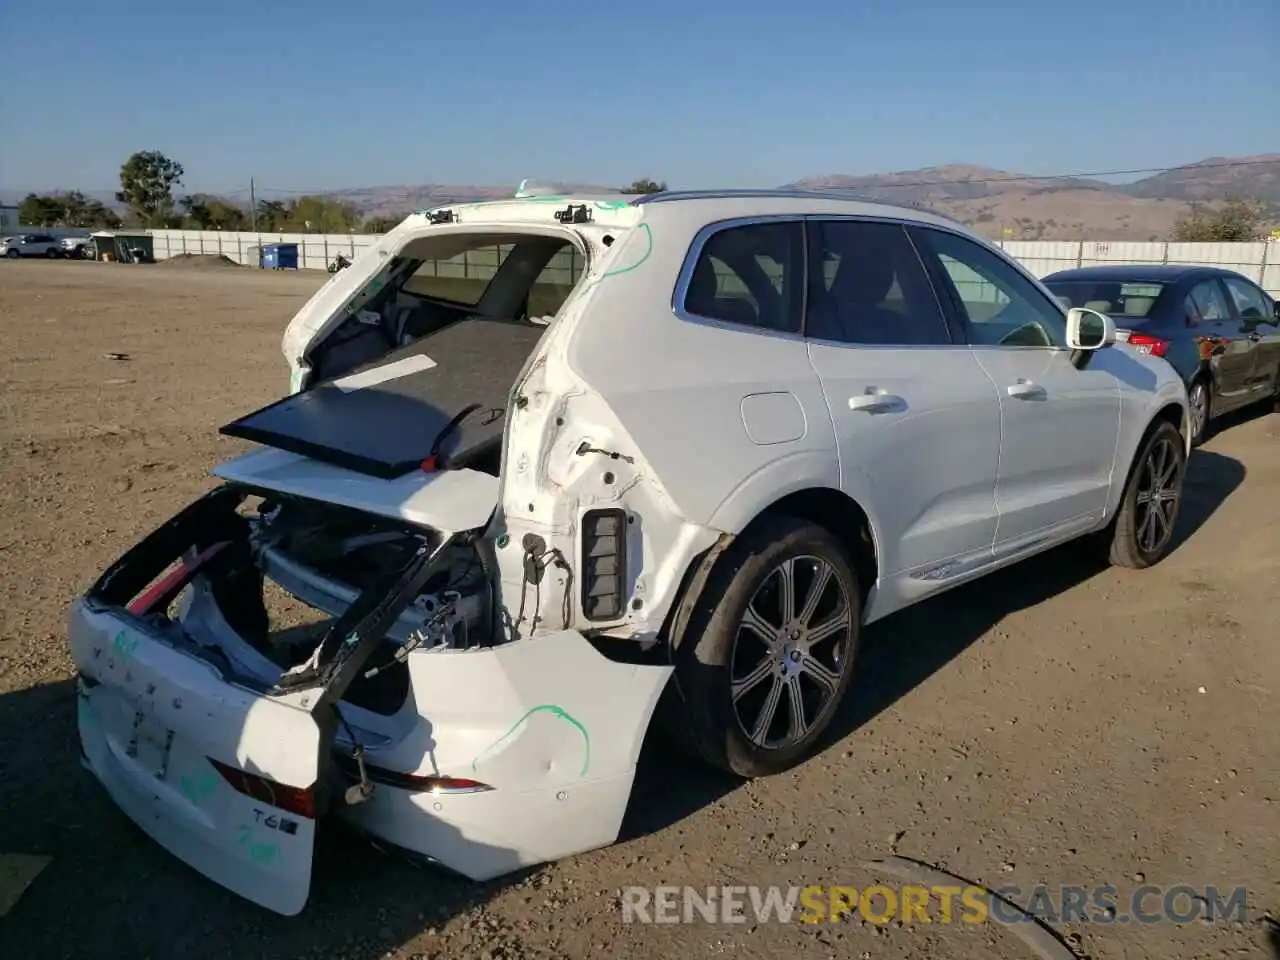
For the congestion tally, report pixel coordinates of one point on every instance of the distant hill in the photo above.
(998, 203)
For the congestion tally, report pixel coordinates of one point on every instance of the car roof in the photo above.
(1139, 272)
(710, 206)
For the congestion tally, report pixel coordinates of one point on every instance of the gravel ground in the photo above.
(1057, 723)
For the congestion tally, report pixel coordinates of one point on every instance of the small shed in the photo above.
(278, 256)
(123, 246)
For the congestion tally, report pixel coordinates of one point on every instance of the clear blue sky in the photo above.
(321, 94)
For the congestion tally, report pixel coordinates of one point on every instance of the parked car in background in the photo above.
(753, 423)
(76, 248)
(32, 245)
(1218, 329)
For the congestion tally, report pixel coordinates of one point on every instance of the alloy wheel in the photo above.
(1159, 487)
(791, 650)
(1199, 403)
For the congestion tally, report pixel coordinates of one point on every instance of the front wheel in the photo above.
(51, 253)
(12, 254)
(770, 649)
(1142, 533)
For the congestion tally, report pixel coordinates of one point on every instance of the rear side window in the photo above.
(867, 286)
(751, 276)
(1209, 301)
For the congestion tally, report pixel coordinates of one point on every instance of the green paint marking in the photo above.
(259, 853)
(558, 198)
(196, 789)
(648, 252)
(554, 711)
(611, 204)
(124, 644)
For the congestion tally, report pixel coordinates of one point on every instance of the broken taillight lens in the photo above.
(296, 800)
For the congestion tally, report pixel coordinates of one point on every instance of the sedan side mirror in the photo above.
(1089, 330)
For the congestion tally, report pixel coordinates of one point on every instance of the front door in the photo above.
(1060, 423)
(917, 420)
(1255, 319)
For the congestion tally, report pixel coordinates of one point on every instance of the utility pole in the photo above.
(253, 206)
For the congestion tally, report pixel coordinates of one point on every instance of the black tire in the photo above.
(1162, 454)
(1201, 428)
(12, 253)
(52, 253)
(717, 647)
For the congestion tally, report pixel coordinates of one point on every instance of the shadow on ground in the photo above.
(109, 885)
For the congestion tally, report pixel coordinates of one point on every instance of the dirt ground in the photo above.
(1059, 723)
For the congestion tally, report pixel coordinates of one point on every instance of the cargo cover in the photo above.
(444, 396)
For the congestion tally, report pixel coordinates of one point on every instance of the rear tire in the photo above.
(1142, 532)
(12, 254)
(1201, 393)
(760, 677)
(52, 253)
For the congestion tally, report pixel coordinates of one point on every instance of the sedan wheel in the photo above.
(1144, 525)
(768, 649)
(1198, 400)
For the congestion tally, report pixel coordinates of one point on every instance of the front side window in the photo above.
(751, 276)
(1251, 303)
(867, 286)
(998, 305)
(1209, 301)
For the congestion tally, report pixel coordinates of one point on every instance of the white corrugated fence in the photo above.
(1259, 261)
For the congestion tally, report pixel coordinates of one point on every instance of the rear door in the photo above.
(1060, 424)
(917, 420)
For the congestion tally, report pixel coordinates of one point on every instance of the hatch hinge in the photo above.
(574, 213)
(442, 216)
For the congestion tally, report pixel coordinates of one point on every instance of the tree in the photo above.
(1235, 220)
(147, 180)
(207, 212)
(272, 215)
(71, 209)
(645, 186)
(315, 214)
(380, 224)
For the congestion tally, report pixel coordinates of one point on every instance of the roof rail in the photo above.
(786, 193)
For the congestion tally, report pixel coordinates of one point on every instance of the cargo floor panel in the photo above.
(444, 394)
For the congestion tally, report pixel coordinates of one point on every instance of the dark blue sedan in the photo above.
(1218, 329)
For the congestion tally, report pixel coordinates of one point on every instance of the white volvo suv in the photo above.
(550, 458)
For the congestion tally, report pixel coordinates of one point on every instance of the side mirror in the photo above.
(1089, 330)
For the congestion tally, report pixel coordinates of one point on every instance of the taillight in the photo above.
(1146, 343)
(296, 800)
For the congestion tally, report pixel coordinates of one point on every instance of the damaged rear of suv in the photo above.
(541, 454)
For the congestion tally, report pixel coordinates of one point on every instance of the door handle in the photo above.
(1026, 390)
(877, 403)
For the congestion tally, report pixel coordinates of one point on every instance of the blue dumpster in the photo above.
(278, 256)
